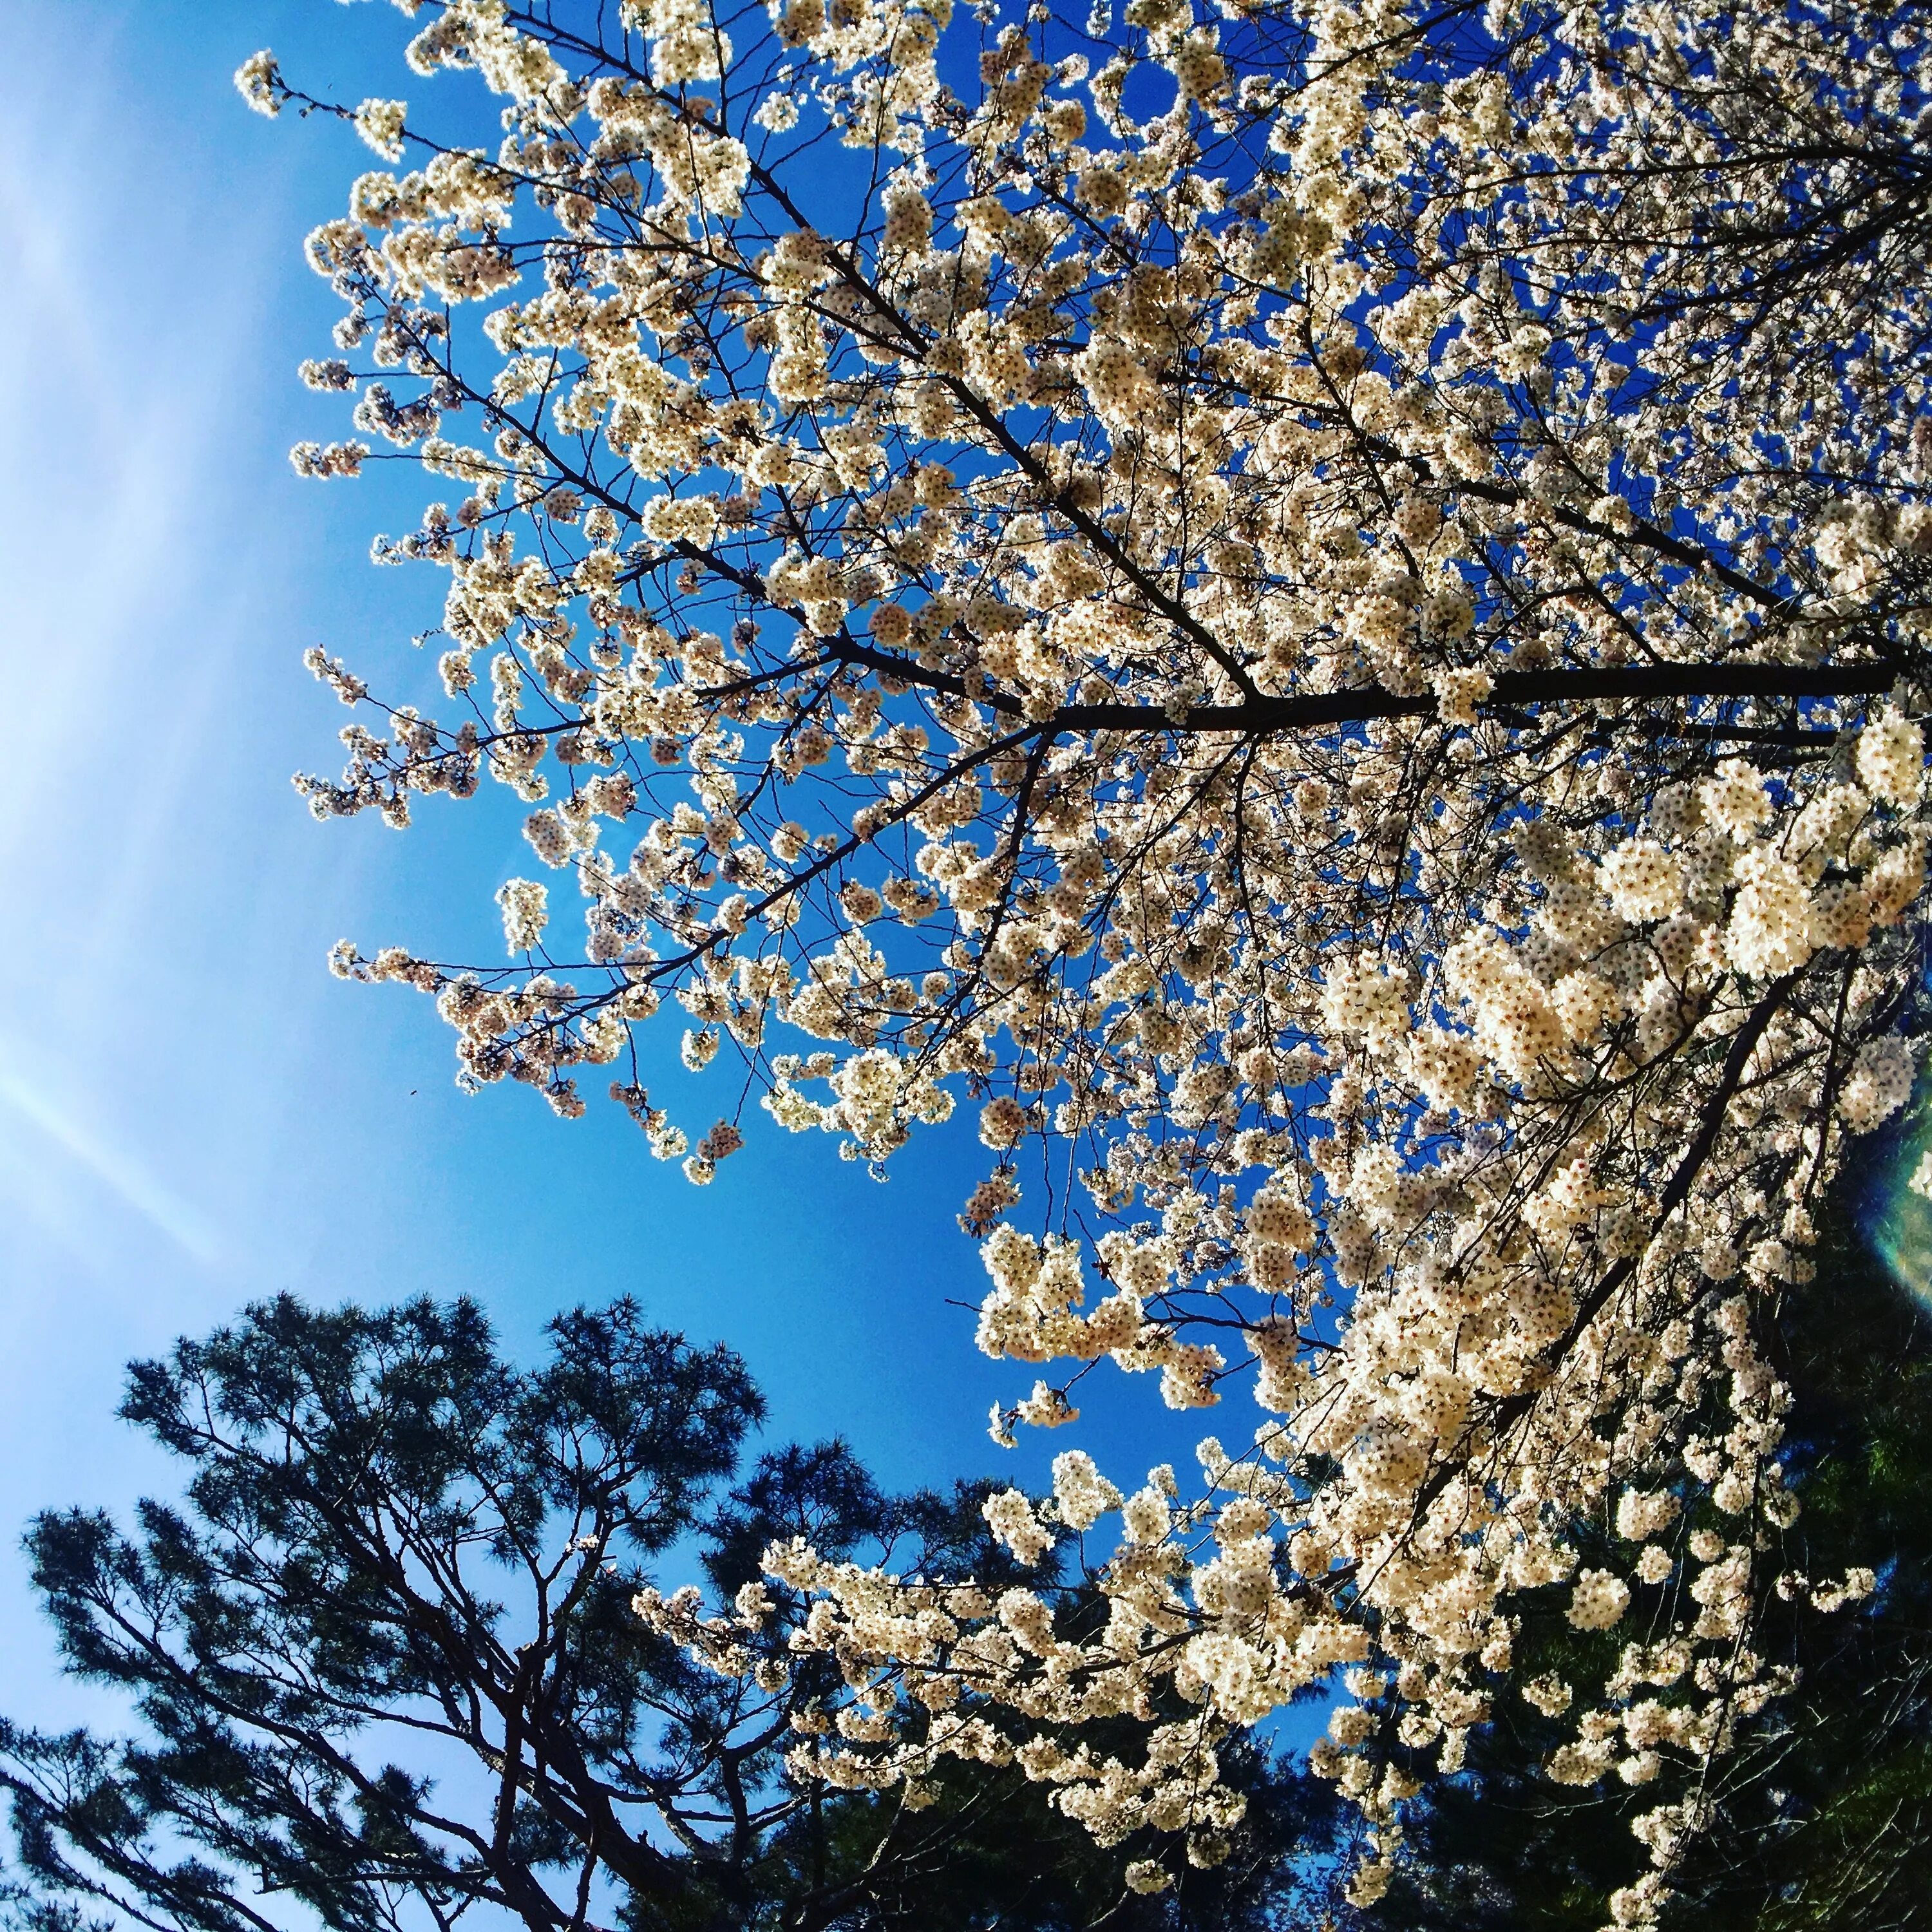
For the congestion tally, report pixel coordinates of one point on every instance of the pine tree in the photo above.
(383, 1663)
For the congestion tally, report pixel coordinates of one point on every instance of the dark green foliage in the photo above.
(385, 1671)
(1824, 1819)
(1838, 1832)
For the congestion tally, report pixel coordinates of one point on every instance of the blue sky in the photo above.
(192, 1112)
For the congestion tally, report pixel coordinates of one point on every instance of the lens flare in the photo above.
(1895, 1221)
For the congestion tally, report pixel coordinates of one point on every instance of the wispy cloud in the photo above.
(122, 1175)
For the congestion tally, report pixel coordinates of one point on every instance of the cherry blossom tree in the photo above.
(1321, 612)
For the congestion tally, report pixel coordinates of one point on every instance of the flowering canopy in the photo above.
(1319, 610)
